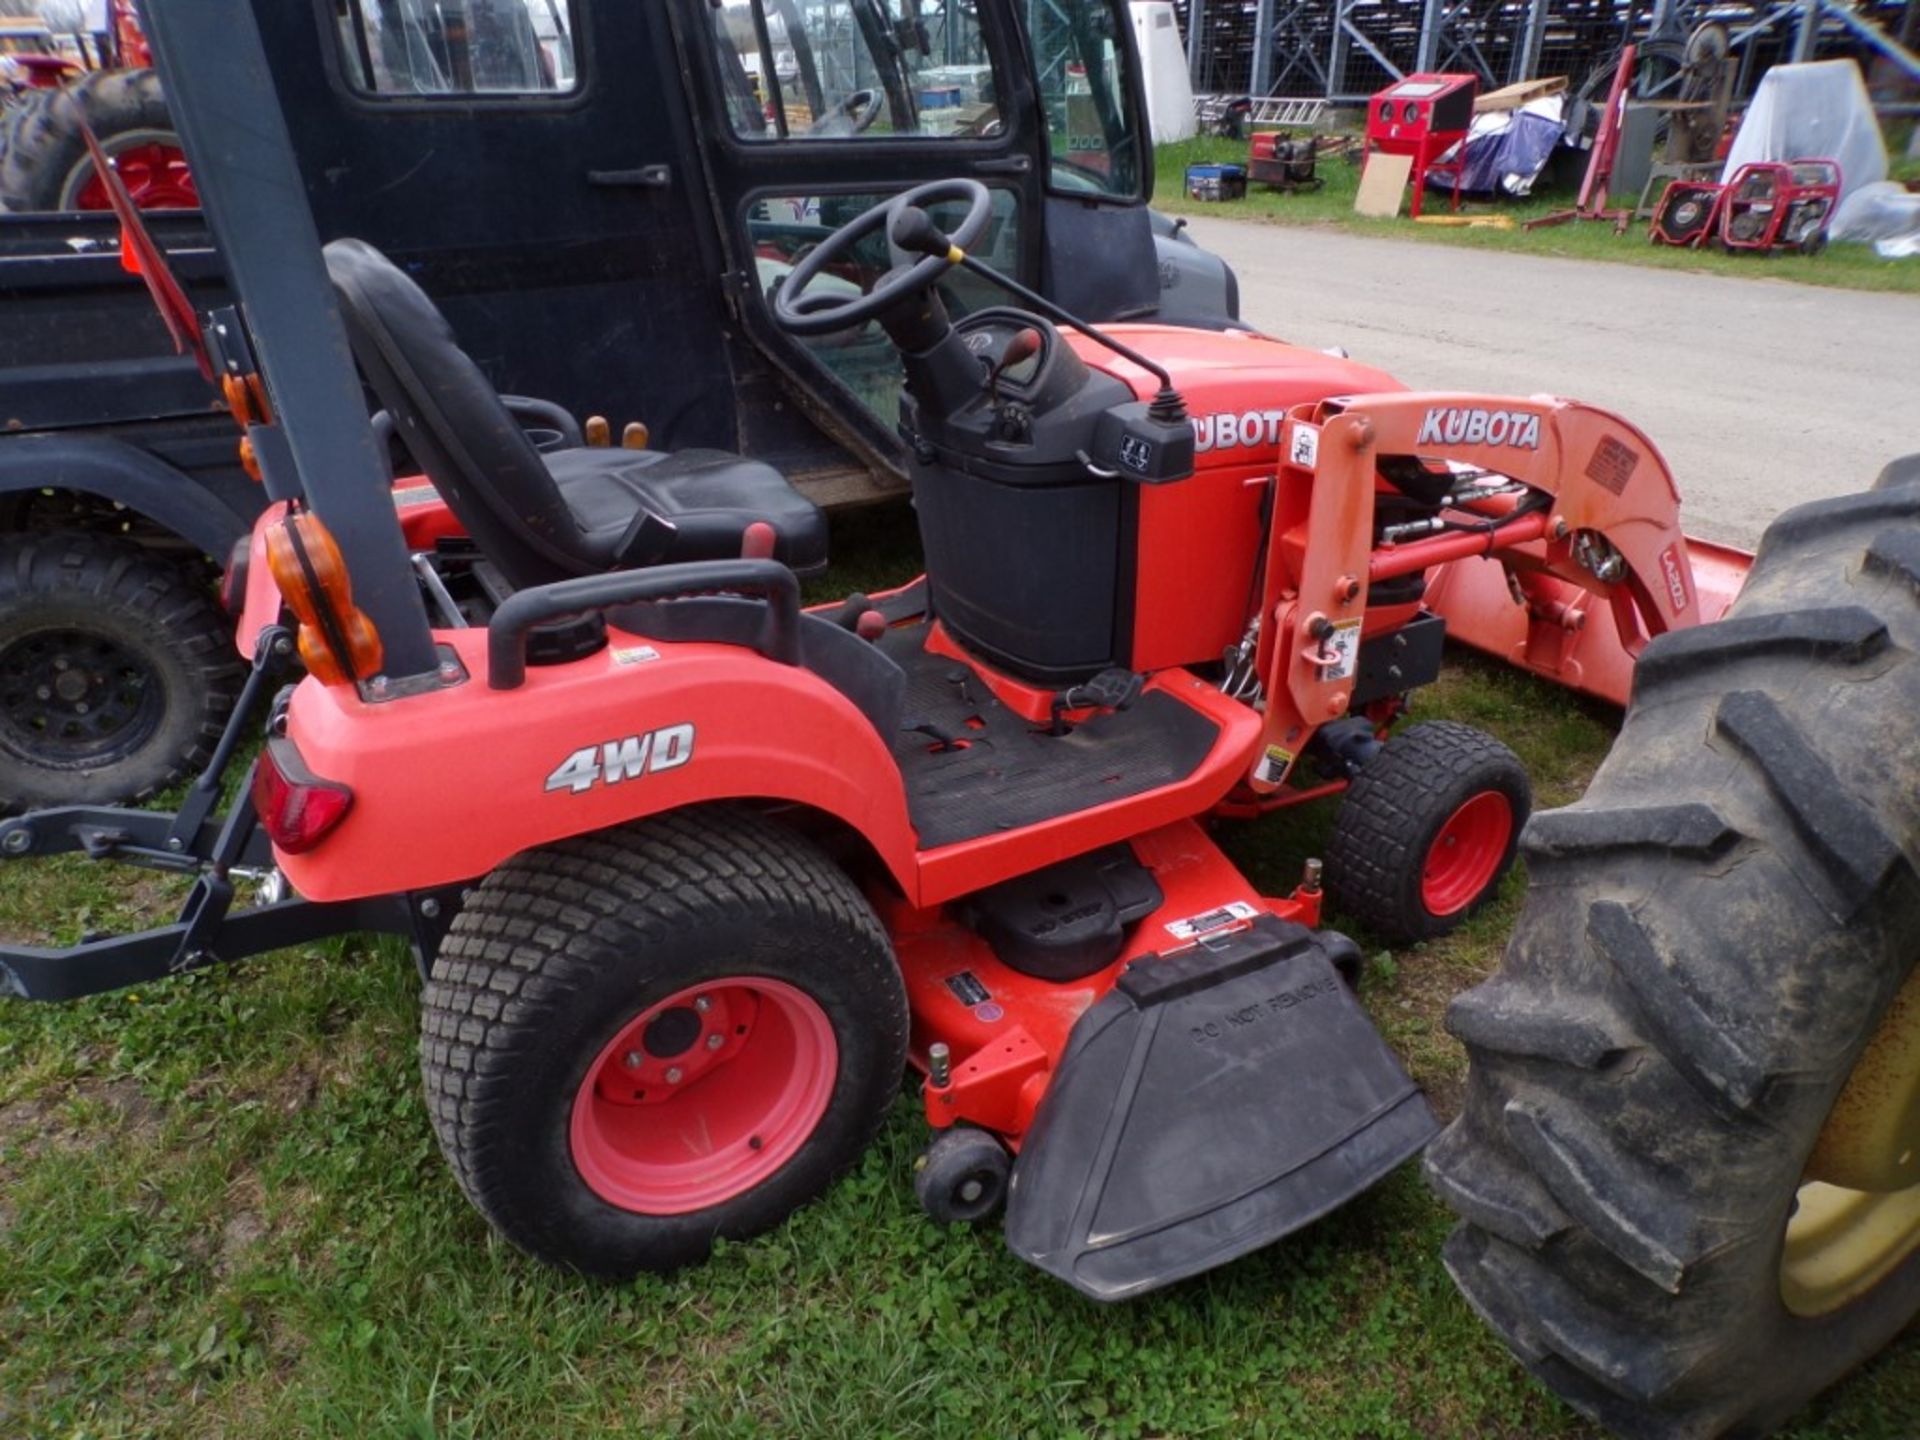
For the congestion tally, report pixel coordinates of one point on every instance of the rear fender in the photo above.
(126, 475)
(449, 784)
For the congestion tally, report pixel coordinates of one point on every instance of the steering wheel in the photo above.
(850, 114)
(799, 313)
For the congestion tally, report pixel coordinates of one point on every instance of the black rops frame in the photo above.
(223, 102)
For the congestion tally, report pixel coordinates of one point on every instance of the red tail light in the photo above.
(298, 808)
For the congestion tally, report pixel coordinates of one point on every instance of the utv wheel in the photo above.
(117, 671)
(637, 1041)
(1689, 1158)
(962, 1177)
(46, 165)
(1426, 831)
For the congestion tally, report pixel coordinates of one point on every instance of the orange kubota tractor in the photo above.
(692, 872)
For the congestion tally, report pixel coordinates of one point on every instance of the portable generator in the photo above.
(1282, 162)
(1771, 205)
(1424, 116)
(1687, 213)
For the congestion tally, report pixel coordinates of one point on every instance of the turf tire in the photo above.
(1392, 814)
(560, 946)
(1711, 937)
(160, 616)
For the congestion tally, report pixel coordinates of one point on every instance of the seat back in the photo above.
(452, 422)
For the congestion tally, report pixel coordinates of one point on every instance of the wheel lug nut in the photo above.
(81, 708)
(61, 663)
(703, 1003)
(716, 1040)
(43, 693)
(673, 1075)
(633, 1060)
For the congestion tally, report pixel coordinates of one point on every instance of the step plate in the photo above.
(1211, 1103)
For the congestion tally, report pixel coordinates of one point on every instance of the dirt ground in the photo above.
(1761, 393)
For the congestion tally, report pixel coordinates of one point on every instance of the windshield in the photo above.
(1087, 92)
(831, 69)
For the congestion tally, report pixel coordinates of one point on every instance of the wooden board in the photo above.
(1512, 97)
(1383, 186)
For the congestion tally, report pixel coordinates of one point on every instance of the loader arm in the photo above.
(1560, 505)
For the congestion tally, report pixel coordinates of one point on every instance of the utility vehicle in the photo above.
(590, 194)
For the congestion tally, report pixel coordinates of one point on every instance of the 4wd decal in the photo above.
(1458, 425)
(627, 758)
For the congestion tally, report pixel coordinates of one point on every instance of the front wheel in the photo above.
(1427, 831)
(638, 1041)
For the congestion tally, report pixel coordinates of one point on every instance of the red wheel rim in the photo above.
(1466, 854)
(156, 177)
(703, 1095)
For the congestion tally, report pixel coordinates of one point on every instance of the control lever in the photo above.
(1022, 348)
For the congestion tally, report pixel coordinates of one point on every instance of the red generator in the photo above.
(1282, 162)
(1769, 205)
(1424, 116)
(1688, 213)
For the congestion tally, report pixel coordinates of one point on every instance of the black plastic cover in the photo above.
(1214, 1101)
(1068, 920)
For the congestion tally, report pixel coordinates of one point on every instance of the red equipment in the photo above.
(1592, 201)
(1688, 214)
(1424, 116)
(1770, 205)
(1282, 161)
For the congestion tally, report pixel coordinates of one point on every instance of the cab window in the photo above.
(836, 69)
(413, 48)
(1086, 91)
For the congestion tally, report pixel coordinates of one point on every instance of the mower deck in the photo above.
(1005, 772)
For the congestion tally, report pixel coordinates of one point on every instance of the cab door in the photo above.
(531, 163)
(813, 110)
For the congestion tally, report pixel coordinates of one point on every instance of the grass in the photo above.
(1853, 267)
(222, 1213)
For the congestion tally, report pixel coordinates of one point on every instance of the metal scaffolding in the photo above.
(1345, 50)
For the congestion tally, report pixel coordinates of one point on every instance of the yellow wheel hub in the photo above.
(1858, 1214)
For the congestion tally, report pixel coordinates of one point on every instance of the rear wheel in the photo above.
(638, 1041)
(46, 165)
(1427, 831)
(117, 671)
(1689, 1158)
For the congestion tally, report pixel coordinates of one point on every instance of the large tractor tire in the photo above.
(117, 671)
(45, 164)
(638, 1041)
(1688, 1164)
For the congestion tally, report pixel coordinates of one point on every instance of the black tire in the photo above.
(136, 663)
(1394, 812)
(1712, 936)
(45, 163)
(962, 1177)
(558, 949)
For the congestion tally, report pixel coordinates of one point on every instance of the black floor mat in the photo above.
(1011, 773)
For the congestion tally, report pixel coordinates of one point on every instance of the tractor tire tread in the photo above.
(1709, 942)
(527, 937)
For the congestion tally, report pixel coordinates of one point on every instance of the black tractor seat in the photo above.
(553, 516)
